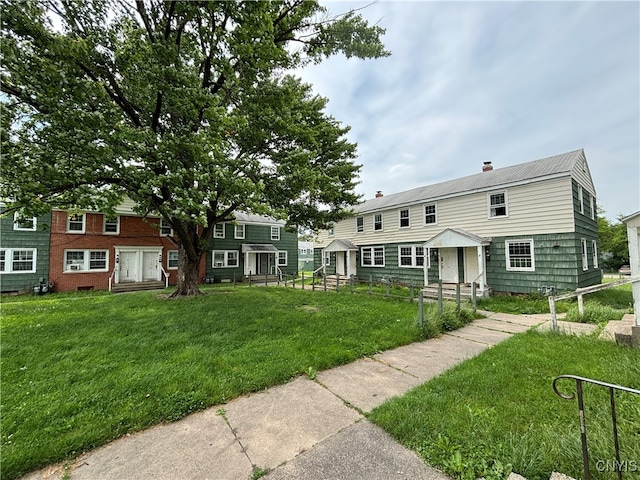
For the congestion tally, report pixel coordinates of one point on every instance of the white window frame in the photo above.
(18, 217)
(376, 222)
(228, 254)
(491, 209)
(407, 218)
(72, 217)
(593, 207)
(594, 246)
(279, 258)
(326, 258)
(372, 256)
(275, 233)
(165, 228)
(511, 268)
(105, 220)
(85, 266)
(9, 260)
(239, 231)
(360, 224)
(585, 254)
(171, 253)
(581, 198)
(218, 230)
(413, 256)
(434, 214)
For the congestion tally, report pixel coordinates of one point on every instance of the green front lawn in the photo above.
(498, 412)
(79, 370)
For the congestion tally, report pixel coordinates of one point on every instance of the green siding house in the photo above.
(520, 229)
(252, 245)
(24, 252)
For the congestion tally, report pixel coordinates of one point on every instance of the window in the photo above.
(372, 256)
(520, 255)
(282, 258)
(275, 233)
(172, 259)
(111, 225)
(225, 258)
(20, 222)
(218, 230)
(498, 204)
(326, 257)
(410, 256)
(594, 246)
(303, 251)
(430, 214)
(377, 222)
(165, 228)
(581, 198)
(75, 223)
(593, 207)
(331, 231)
(404, 218)
(585, 257)
(17, 260)
(239, 231)
(360, 224)
(85, 260)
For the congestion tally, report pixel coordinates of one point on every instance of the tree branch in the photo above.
(142, 11)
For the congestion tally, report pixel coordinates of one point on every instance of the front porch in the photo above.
(460, 258)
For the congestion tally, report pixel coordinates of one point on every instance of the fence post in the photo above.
(234, 279)
(473, 295)
(420, 308)
(457, 296)
(440, 296)
(411, 291)
(552, 309)
(581, 305)
(351, 282)
(313, 282)
(325, 282)
(387, 288)
(337, 281)
(303, 279)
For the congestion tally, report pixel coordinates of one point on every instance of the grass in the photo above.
(79, 370)
(498, 412)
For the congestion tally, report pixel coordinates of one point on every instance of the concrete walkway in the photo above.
(311, 429)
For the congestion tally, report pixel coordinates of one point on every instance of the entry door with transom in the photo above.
(449, 265)
(128, 267)
(149, 266)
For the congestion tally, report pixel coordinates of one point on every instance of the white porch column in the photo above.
(634, 261)
(481, 269)
(425, 264)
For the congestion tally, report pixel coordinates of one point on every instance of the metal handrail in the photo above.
(113, 273)
(166, 277)
(583, 426)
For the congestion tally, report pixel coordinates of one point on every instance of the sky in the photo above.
(506, 82)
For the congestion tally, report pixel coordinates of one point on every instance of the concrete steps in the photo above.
(448, 291)
(137, 286)
(623, 332)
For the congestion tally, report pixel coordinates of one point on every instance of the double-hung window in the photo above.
(275, 233)
(410, 256)
(86, 261)
(498, 204)
(585, 256)
(17, 260)
(377, 222)
(75, 223)
(360, 224)
(405, 221)
(430, 217)
(520, 255)
(594, 246)
(111, 225)
(165, 228)
(282, 258)
(218, 230)
(225, 258)
(372, 256)
(172, 259)
(581, 198)
(239, 231)
(20, 222)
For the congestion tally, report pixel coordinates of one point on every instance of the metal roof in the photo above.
(557, 165)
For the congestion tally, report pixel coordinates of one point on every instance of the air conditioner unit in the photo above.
(74, 267)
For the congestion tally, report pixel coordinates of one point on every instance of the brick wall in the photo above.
(134, 232)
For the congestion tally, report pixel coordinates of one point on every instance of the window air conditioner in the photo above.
(74, 267)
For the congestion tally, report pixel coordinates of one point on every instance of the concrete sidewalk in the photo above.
(311, 429)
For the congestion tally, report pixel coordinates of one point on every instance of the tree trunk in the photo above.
(188, 274)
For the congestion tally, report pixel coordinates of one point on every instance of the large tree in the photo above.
(185, 107)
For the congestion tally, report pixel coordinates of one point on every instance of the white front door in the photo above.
(449, 265)
(149, 266)
(128, 266)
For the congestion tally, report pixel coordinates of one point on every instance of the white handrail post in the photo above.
(552, 309)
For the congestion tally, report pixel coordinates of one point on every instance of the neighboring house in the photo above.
(515, 229)
(251, 245)
(305, 256)
(24, 252)
(633, 237)
(92, 250)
